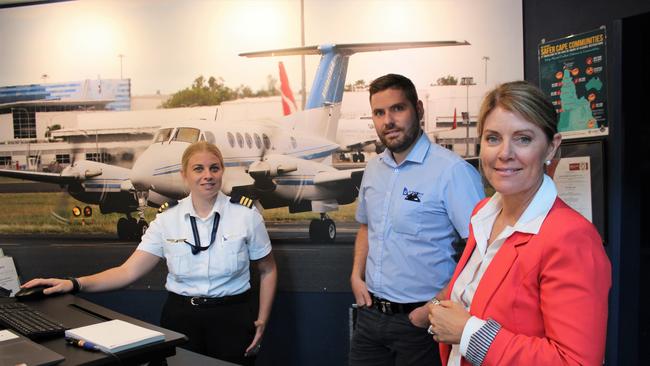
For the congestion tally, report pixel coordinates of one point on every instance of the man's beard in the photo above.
(403, 142)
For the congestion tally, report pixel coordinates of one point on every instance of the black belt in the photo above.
(210, 301)
(390, 307)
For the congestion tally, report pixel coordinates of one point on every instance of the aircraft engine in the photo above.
(272, 166)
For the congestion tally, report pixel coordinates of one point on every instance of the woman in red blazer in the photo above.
(531, 286)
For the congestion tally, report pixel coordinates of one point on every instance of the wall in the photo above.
(554, 19)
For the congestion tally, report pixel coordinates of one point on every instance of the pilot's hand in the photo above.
(419, 316)
(54, 285)
(360, 291)
(254, 348)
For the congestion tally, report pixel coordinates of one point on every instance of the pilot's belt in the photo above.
(390, 307)
(210, 301)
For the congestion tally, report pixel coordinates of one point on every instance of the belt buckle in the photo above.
(386, 307)
(195, 301)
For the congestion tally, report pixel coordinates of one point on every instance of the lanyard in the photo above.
(196, 248)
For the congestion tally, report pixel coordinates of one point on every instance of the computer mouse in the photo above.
(32, 293)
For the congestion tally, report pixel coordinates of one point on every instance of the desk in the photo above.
(75, 312)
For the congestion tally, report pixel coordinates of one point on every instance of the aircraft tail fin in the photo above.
(288, 102)
(327, 88)
(453, 126)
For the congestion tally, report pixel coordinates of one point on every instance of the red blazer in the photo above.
(548, 291)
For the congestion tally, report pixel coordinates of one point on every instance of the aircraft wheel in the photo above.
(132, 225)
(362, 158)
(122, 229)
(322, 231)
(314, 231)
(328, 230)
(142, 228)
(355, 158)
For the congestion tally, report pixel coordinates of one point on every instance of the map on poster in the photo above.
(572, 72)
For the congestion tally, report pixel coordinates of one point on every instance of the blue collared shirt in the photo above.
(221, 270)
(415, 211)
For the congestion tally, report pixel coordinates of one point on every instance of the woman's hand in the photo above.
(448, 320)
(54, 285)
(254, 348)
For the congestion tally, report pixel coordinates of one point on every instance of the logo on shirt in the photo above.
(174, 241)
(411, 195)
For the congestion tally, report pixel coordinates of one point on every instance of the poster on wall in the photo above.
(573, 73)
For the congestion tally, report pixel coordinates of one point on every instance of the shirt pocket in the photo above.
(408, 216)
(235, 251)
(179, 259)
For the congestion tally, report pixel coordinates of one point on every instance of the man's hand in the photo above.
(360, 291)
(418, 316)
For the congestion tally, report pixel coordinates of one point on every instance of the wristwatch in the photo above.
(76, 287)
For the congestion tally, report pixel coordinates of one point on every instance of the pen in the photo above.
(82, 344)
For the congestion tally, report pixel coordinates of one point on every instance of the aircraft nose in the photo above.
(141, 171)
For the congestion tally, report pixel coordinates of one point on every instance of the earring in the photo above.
(548, 162)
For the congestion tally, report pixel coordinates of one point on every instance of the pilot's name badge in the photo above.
(411, 195)
(174, 241)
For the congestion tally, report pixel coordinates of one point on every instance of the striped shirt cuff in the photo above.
(480, 342)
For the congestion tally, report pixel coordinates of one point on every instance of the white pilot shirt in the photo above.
(221, 270)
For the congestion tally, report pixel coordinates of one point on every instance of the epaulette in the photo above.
(242, 200)
(166, 206)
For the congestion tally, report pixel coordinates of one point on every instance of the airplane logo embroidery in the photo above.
(411, 195)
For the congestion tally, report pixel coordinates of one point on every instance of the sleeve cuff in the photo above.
(480, 342)
(471, 327)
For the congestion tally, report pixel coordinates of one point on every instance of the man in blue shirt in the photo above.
(415, 201)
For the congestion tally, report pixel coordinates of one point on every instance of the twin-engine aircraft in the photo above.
(278, 163)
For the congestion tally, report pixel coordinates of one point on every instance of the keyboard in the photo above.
(28, 321)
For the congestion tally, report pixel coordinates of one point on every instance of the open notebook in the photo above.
(115, 335)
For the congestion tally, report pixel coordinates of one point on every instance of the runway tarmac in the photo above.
(302, 266)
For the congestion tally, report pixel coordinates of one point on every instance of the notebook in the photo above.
(16, 349)
(115, 335)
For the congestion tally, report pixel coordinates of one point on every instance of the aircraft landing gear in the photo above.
(322, 230)
(142, 227)
(358, 157)
(128, 228)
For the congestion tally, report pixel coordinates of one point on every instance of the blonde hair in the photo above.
(524, 99)
(197, 147)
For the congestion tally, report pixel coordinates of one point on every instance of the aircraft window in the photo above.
(231, 139)
(186, 134)
(249, 140)
(258, 141)
(240, 140)
(293, 142)
(210, 137)
(267, 141)
(163, 135)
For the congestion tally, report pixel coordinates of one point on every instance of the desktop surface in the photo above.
(74, 312)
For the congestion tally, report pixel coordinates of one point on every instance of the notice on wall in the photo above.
(8, 276)
(572, 177)
(573, 73)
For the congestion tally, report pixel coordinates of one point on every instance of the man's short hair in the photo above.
(395, 81)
